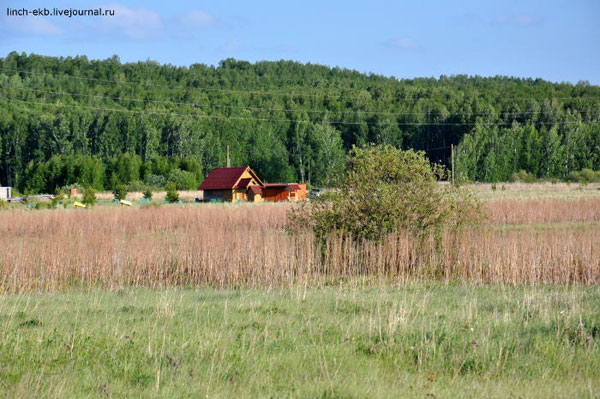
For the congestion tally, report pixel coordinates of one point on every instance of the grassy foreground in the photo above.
(422, 340)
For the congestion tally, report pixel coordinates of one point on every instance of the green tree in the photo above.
(89, 196)
(101, 134)
(172, 194)
(551, 163)
(531, 153)
(120, 192)
(327, 163)
(183, 180)
(386, 190)
(148, 193)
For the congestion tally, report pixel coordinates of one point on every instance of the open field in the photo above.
(157, 195)
(535, 191)
(221, 300)
(420, 340)
(529, 191)
(580, 211)
(220, 245)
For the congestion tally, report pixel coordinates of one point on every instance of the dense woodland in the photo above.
(100, 123)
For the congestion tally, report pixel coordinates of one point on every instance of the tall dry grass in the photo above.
(513, 211)
(234, 246)
(535, 191)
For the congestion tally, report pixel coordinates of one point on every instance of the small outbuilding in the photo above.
(275, 192)
(5, 193)
(255, 194)
(231, 185)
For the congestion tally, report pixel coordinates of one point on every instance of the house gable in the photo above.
(229, 178)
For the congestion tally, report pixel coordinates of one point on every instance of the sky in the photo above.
(552, 39)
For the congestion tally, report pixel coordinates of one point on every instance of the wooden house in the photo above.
(232, 185)
(276, 192)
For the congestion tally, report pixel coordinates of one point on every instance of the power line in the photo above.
(248, 108)
(222, 117)
(259, 92)
(194, 105)
(214, 89)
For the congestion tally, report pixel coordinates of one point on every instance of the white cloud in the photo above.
(187, 26)
(232, 46)
(403, 42)
(517, 20)
(127, 23)
(140, 23)
(30, 26)
(198, 19)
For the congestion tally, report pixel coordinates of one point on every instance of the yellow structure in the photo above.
(231, 185)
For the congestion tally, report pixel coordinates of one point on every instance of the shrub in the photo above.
(120, 192)
(523, 177)
(148, 193)
(156, 181)
(585, 176)
(57, 199)
(172, 194)
(387, 190)
(590, 175)
(89, 196)
(136, 186)
(183, 180)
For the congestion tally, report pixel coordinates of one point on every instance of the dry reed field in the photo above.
(513, 211)
(535, 191)
(157, 195)
(220, 245)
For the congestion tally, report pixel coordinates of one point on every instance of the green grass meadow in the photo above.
(420, 340)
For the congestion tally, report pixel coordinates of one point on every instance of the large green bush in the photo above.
(157, 182)
(183, 180)
(386, 190)
(585, 176)
(523, 177)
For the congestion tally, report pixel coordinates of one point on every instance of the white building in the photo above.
(5, 193)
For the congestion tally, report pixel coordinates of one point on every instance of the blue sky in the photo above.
(552, 39)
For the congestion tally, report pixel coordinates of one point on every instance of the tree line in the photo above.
(102, 122)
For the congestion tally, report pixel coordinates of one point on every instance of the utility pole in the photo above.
(228, 161)
(452, 161)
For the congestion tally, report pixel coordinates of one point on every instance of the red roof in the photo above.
(244, 183)
(222, 178)
(287, 186)
(276, 185)
(256, 189)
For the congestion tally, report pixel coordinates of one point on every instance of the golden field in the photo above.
(522, 241)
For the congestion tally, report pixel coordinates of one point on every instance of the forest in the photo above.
(99, 123)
